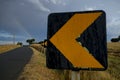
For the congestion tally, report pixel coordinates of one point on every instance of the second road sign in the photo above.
(77, 40)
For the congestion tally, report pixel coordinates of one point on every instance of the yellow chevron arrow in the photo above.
(65, 40)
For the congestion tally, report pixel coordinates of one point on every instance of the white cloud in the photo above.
(39, 5)
(6, 42)
(114, 27)
(22, 4)
(118, 12)
(114, 22)
(47, 1)
(5, 34)
(89, 8)
(61, 2)
(54, 1)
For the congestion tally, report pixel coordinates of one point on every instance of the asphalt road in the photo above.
(13, 62)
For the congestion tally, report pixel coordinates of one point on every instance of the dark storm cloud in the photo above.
(22, 18)
(28, 18)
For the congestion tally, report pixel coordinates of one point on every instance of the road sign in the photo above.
(77, 40)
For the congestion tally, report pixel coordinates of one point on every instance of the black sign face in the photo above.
(93, 38)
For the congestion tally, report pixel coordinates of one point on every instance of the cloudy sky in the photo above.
(28, 18)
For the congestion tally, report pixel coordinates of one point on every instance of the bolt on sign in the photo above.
(77, 41)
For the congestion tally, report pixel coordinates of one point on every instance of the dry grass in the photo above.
(114, 67)
(113, 47)
(5, 48)
(36, 69)
(38, 47)
(95, 75)
(113, 71)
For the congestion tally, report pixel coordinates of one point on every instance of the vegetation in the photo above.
(112, 73)
(114, 67)
(5, 48)
(40, 42)
(36, 68)
(30, 41)
(20, 43)
(43, 43)
(39, 47)
(115, 39)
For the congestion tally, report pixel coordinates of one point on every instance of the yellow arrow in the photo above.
(65, 40)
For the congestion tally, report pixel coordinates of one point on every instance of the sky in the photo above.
(27, 19)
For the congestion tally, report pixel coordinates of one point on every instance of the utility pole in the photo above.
(14, 39)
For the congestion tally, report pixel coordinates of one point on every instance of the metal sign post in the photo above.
(75, 75)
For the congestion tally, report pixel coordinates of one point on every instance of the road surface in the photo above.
(13, 62)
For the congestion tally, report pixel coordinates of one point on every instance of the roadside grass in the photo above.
(113, 47)
(36, 69)
(38, 47)
(5, 48)
(113, 71)
(114, 60)
(114, 66)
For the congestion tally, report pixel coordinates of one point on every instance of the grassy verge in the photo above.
(5, 48)
(38, 47)
(113, 47)
(114, 67)
(36, 69)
